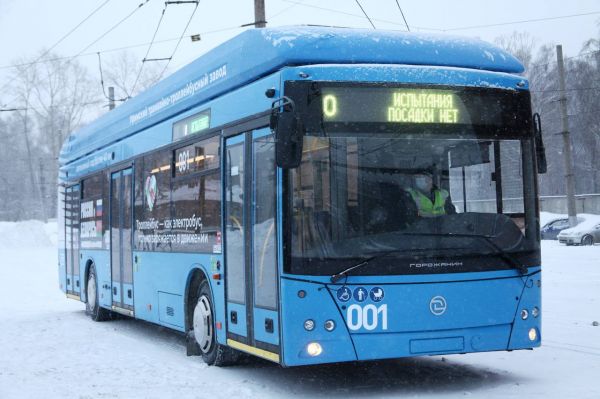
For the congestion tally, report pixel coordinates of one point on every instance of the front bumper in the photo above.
(569, 240)
(481, 315)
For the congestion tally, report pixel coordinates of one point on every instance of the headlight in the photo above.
(524, 314)
(535, 312)
(314, 349)
(532, 334)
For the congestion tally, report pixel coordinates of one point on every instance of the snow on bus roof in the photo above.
(258, 52)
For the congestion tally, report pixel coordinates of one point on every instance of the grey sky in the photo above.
(26, 26)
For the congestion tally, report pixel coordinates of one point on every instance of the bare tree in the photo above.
(129, 75)
(53, 95)
(519, 44)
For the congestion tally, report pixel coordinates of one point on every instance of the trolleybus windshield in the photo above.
(357, 195)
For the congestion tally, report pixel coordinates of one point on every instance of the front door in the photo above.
(121, 188)
(250, 243)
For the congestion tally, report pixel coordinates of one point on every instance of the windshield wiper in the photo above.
(336, 277)
(515, 264)
(497, 251)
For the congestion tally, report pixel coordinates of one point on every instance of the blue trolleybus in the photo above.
(269, 198)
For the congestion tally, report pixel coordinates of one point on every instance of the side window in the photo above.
(152, 203)
(560, 224)
(196, 212)
(91, 212)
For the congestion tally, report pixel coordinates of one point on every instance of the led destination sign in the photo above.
(399, 105)
(191, 125)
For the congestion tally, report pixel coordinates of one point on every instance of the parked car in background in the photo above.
(551, 229)
(585, 233)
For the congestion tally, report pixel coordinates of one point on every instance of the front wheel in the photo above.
(213, 353)
(587, 240)
(92, 305)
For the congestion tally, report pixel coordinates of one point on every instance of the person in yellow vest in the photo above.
(430, 200)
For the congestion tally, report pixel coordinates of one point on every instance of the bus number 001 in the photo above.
(366, 317)
(183, 164)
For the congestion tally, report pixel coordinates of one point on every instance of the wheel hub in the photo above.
(203, 324)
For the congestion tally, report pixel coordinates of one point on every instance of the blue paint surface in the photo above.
(240, 327)
(260, 333)
(318, 306)
(258, 52)
(530, 298)
(481, 309)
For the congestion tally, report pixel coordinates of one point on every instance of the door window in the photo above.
(263, 229)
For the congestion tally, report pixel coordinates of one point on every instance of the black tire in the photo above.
(92, 307)
(587, 240)
(212, 352)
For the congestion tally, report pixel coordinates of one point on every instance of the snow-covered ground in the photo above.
(50, 349)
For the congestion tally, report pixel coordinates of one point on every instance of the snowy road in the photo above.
(50, 349)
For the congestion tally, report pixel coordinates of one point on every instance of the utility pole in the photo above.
(111, 98)
(260, 20)
(566, 139)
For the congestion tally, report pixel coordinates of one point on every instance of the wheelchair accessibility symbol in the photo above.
(344, 294)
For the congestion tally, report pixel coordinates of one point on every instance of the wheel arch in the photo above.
(86, 274)
(196, 276)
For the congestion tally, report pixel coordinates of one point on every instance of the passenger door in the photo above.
(121, 201)
(72, 204)
(250, 243)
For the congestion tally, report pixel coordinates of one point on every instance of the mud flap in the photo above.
(191, 346)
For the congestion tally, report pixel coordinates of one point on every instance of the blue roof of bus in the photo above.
(258, 52)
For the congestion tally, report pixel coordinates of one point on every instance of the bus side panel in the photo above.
(101, 260)
(160, 280)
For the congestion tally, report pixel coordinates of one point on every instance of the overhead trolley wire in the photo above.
(69, 59)
(178, 42)
(522, 21)
(162, 15)
(102, 83)
(366, 15)
(73, 30)
(286, 9)
(173, 39)
(534, 66)
(447, 29)
(403, 17)
(115, 26)
(59, 41)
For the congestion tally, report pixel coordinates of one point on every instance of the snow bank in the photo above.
(27, 234)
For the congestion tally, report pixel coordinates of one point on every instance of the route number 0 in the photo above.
(366, 317)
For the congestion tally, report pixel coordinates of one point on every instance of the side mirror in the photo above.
(540, 151)
(289, 133)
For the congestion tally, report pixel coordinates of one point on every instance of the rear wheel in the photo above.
(92, 305)
(213, 353)
(587, 240)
